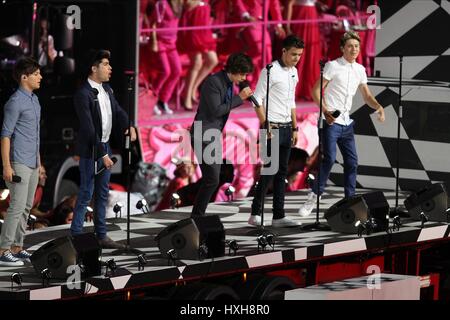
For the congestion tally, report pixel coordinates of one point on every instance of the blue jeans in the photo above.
(344, 137)
(85, 195)
(279, 183)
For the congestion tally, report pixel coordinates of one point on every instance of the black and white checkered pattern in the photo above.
(292, 244)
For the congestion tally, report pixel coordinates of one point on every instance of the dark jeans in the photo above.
(209, 182)
(279, 184)
(85, 196)
(344, 137)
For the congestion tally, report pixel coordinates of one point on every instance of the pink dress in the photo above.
(194, 41)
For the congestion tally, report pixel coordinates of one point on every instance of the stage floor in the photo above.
(292, 245)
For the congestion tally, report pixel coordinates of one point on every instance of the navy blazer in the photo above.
(88, 111)
(213, 110)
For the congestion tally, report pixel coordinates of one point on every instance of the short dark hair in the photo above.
(292, 41)
(239, 63)
(25, 66)
(95, 57)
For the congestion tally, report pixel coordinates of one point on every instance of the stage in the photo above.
(294, 247)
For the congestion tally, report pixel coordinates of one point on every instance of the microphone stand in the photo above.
(128, 250)
(260, 229)
(317, 225)
(396, 210)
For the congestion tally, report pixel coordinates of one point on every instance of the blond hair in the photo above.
(349, 35)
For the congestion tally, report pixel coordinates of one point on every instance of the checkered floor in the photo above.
(299, 243)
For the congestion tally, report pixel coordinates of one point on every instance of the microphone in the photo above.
(114, 159)
(16, 179)
(244, 84)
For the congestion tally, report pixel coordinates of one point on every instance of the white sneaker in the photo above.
(284, 222)
(254, 220)
(306, 208)
(166, 109)
(156, 110)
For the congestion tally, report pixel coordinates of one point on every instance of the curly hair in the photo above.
(239, 63)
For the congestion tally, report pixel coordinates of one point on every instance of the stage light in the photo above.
(110, 265)
(424, 218)
(262, 242)
(4, 194)
(175, 200)
(270, 237)
(89, 213)
(232, 245)
(16, 278)
(371, 225)
(118, 209)
(396, 223)
(361, 227)
(142, 261)
(229, 192)
(31, 221)
(46, 275)
(203, 251)
(142, 205)
(172, 256)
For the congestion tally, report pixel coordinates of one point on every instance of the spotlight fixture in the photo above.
(31, 221)
(142, 261)
(16, 278)
(46, 275)
(110, 265)
(232, 245)
(175, 200)
(172, 256)
(229, 192)
(424, 218)
(89, 213)
(270, 237)
(361, 227)
(262, 242)
(118, 209)
(371, 225)
(203, 251)
(142, 205)
(396, 223)
(310, 179)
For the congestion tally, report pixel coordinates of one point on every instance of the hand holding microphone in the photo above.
(247, 92)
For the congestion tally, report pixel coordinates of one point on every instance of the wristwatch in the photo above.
(295, 129)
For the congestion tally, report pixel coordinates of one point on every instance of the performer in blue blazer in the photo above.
(101, 118)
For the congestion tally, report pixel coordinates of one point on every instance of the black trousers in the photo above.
(209, 181)
(279, 183)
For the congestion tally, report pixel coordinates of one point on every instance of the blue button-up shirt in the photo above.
(22, 114)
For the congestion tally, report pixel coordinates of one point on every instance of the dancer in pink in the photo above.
(252, 11)
(200, 45)
(165, 14)
(308, 68)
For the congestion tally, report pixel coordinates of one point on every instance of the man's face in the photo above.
(32, 81)
(238, 77)
(103, 71)
(351, 50)
(292, 56)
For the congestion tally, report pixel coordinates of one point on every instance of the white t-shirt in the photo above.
(344, 80)
(105, 109)
(283, 81)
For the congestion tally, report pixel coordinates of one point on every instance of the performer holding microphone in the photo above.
(216, 102)
(20, 158)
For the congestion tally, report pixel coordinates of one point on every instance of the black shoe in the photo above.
(108, 243)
